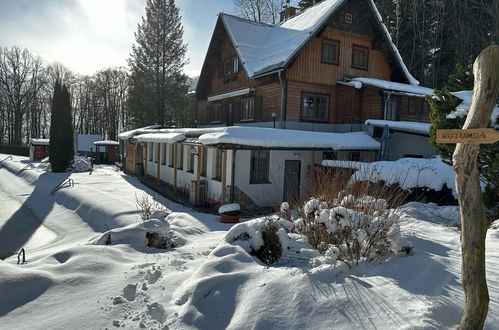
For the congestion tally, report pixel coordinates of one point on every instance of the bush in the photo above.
(350, 228)
(271, 250)
(149, 207)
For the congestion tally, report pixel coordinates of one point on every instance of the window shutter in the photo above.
(236, 111)
(258, 108)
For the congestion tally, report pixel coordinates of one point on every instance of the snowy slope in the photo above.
(210, 282)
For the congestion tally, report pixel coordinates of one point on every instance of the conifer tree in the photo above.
(157, 85)
(61, 150)
(441, 104)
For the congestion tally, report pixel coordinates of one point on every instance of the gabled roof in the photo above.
(264, 48)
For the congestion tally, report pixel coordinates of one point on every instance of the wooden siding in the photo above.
(308, 67)
(371, 104)
(294, 99)
(418, 114)
(348, 105)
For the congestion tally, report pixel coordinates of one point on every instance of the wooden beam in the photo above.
(174, 165)
(158, 160)
(224, 175)
(198, 174)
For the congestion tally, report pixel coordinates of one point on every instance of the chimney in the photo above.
(287, 13)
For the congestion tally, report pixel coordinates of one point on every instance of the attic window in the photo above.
(331, 51)
(231, 66)
(348, 18)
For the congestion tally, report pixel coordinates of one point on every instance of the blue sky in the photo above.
(88, 35)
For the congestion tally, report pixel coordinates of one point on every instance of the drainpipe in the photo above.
(283, 99)
(232, 192)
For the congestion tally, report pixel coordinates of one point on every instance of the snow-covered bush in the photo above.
(265, 238)
(149, 207)
(350, 228)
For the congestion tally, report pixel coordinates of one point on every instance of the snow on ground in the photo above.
(210, 282)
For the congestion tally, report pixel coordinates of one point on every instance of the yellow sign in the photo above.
(471, 136)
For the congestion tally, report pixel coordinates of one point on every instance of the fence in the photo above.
(14, 150)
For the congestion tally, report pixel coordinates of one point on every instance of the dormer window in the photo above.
(348, 18)
(331, 51)
(231, 66)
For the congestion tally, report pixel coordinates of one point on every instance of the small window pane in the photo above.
(248, 109)
(359, 57)
(330, 51)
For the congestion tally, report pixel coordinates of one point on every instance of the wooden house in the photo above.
(329, 68)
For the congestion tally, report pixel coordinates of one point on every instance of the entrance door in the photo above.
(292, 180)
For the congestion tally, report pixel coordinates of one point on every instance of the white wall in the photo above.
(271, 194)
(402, 144)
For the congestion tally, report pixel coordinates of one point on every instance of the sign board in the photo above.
(471, 136)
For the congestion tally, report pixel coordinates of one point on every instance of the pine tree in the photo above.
(61, 151)
(307, 3)
(157, 84)
(441, 104)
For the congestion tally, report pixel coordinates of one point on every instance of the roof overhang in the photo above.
(230, 94)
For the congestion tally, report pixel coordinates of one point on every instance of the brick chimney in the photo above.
(287, 13)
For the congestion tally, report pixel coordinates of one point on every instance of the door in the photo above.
(292, 169)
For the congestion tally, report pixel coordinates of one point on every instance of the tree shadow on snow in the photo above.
(19, 228)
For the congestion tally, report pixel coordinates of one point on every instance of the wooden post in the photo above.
(473, 227)
(198, 174)
(145, 158)
(175, 166)
(224, 175)
(158, 160)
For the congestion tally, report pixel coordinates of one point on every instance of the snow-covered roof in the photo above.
(263, 137)
(161, 137)
(407, 172)
(40, 142)
(286, 138)
(264, 48)
(393, 86)
(406, 126)
(106, 143)
(463, 108)
(129, 134)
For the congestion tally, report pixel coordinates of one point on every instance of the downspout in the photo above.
(232, 190)
(283, 99)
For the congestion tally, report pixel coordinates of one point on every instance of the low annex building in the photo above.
(253, 166)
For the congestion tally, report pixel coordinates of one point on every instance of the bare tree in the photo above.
(262, 11)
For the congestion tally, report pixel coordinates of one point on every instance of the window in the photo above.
(360, 57)
(331, 51)
(410, 104)
(248, 109)
(204, 165)
(231, 66)
(149, 151)
(354, 156)
(216, 113)
(425, 108)
(217, 175)
(157, 149)
(163, 159)
(348, 18)
(259, 171)
(192, 153)
(315, 107)
(180, 156)
(391, 108)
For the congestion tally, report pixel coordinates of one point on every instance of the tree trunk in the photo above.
(473, 226)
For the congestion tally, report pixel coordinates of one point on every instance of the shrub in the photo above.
(350, 228)
(271, 250)
(148, 206)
